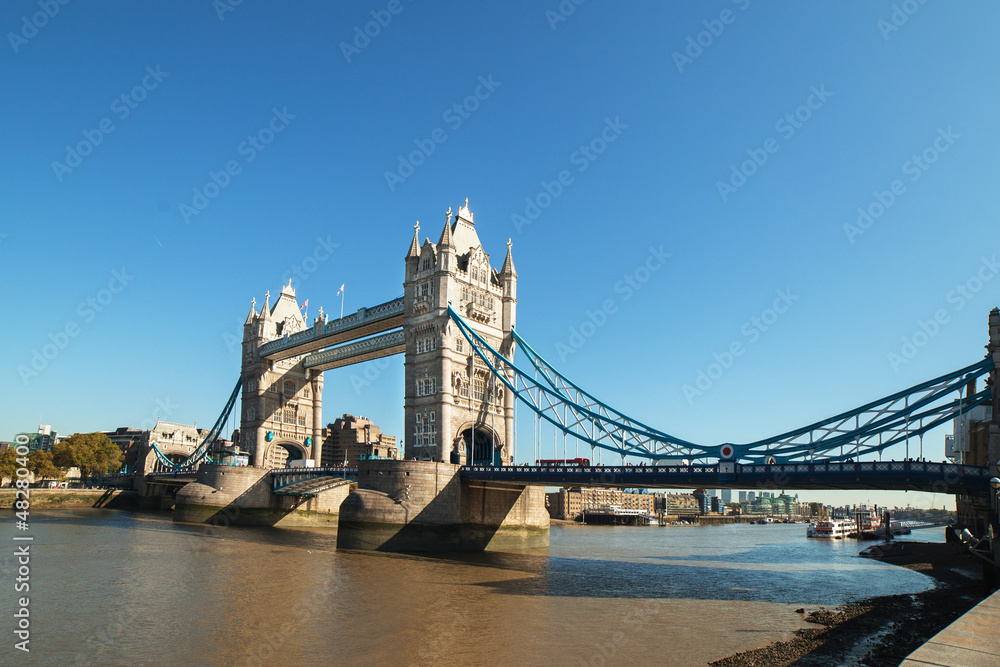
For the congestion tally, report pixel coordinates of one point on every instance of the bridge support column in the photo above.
(426, 506)
(316, 383)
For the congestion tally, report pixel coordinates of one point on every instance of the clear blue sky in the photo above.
(208, 79)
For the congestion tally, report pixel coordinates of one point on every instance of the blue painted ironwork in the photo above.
(370, 348)
(888, 475)
(201, 452)
(286, 346)
(876, 425)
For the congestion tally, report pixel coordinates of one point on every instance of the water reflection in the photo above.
(117, 588)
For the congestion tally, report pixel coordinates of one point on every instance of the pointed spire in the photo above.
(253, 310)
(265, 312)
(447, 241)
(508, 263)
(415, 244)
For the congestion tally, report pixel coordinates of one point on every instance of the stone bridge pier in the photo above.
(426, 506)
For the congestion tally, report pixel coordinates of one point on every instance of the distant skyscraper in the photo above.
(727, 495)
(743, 496)
(751, 496)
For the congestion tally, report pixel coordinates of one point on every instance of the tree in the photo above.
(8, 464)
(40, 463)
(92, 453)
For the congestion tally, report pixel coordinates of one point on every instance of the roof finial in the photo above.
(267, 294)
(509, 243)
(466, 202)
(253, 303)
(447, 215)
(416, 226)
(289, 282)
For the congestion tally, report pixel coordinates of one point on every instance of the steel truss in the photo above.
(870, 428)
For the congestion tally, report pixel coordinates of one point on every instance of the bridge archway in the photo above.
(481, 445)
(292, 451)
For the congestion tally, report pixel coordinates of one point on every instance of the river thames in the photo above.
(122, 588)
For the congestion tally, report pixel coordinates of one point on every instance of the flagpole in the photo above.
(341, 302)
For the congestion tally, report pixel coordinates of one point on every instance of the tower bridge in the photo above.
(455, 326)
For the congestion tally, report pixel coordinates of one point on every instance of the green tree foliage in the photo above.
(40, 463)
(8, 463)
(92, 453)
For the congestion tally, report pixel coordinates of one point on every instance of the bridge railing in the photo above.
(830, 468)
(317, 471)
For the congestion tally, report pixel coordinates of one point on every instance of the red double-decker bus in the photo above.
(553, 463)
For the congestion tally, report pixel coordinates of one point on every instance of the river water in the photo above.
(118, 588)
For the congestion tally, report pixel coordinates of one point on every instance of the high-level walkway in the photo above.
(972, 640)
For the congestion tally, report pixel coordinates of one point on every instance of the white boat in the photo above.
(811, 530)
(833, 528)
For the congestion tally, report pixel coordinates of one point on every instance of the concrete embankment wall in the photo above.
(425, 506)
(973, 639)
(242, 495)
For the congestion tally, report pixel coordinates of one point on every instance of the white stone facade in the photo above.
(282, 402)
(450, 394)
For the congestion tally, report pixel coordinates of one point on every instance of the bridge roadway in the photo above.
(880, 475)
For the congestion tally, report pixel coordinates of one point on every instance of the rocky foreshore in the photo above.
(881, 630)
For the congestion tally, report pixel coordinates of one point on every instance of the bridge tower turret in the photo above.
(455, 411)
(282, 401)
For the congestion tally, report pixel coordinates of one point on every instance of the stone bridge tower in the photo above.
(455, 410)
(282, 406)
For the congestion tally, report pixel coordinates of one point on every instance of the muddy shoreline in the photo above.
(881, 630)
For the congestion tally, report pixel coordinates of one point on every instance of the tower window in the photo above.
(289, 388)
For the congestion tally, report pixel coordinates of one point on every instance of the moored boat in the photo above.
(833, 528)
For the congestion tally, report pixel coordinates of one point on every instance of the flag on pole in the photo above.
(340, 290)
(304, 304)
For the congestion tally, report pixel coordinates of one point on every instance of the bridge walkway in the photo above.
(972, 640)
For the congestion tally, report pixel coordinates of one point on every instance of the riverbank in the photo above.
(881, 630)
(51, 499)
